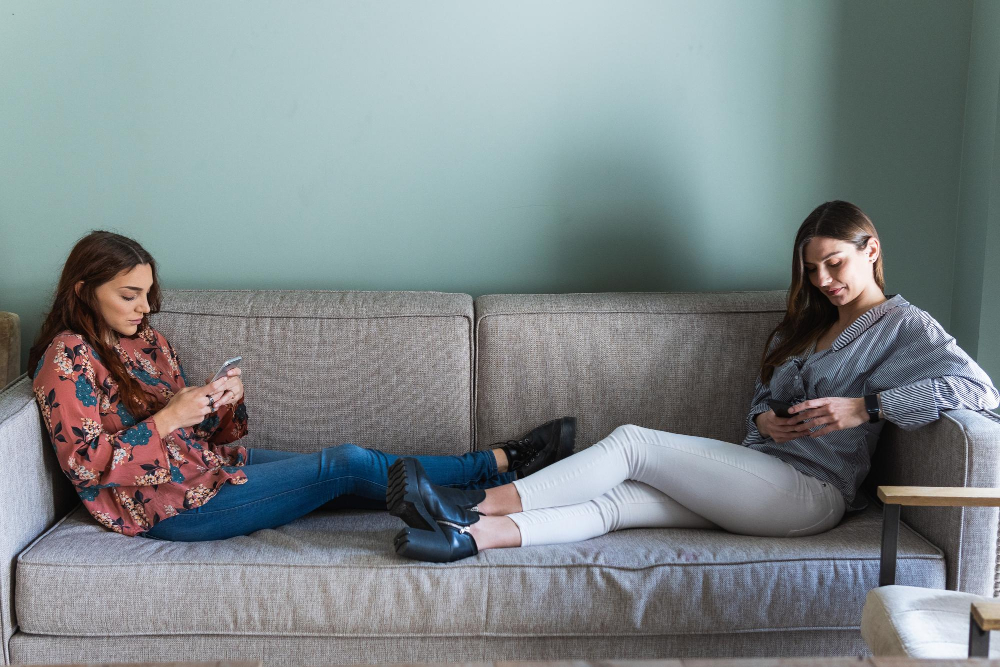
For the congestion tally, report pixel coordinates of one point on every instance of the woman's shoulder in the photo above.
(913, 321)
(69, 336)
(68, 340)
(63, 351)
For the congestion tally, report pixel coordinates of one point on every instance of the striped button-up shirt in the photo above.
(895, 350)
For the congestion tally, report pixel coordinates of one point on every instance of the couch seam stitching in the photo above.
(801, 628)
(438, 316)
(626, 312)
(476, 567)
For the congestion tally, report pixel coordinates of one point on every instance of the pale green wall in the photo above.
(522, 146)
(989, 329)
(977, 253)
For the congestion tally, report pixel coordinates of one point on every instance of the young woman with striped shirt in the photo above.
(845, 356)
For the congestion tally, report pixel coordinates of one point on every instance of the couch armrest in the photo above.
(34, 493)
(894, 498)
(940, 496)
(960, 449)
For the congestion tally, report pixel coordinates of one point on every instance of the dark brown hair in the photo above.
(809, 311)
(96, 259)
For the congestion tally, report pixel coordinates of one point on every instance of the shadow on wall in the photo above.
(899, 85)
(624, 225)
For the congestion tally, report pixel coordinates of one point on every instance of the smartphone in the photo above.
(780, 408)
(231, 363)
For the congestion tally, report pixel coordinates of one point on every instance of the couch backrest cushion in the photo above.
(391, 370)
(679, 362)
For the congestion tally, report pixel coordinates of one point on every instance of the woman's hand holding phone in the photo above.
(189, 406)
(232, 388)
(781, 429)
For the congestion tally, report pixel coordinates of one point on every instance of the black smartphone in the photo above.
(780, 408)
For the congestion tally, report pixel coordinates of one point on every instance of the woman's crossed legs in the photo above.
(639, 477)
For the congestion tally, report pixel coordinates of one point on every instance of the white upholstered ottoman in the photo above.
(919, 622)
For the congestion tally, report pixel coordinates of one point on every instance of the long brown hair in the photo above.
(809, 312)
(96, 259)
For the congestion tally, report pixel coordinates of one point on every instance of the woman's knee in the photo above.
(633, 433)
(627, 440)
(347, 456)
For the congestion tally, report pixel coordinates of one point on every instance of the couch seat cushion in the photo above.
(919, 623)
(335, 574)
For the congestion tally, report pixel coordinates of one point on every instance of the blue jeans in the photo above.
(282, 486)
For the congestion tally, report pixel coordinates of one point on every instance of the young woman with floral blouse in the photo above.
(151, 455)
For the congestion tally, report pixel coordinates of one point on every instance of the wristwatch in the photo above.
(872, 407)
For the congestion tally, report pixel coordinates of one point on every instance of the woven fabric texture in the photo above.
(391, 370)
(684, 363)
(326, 651)
(335, 574)
(914, 622)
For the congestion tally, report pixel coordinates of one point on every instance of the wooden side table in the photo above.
(10, 348)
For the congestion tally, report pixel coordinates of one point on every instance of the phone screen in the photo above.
(780, 408)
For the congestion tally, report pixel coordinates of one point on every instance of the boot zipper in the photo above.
(462, 529)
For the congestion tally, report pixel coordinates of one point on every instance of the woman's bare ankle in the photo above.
(501, 501)
(493, 532)
(503, 464)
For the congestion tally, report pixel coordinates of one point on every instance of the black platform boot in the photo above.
(452, 543)
(542, 446)
(438, 517)
(414, 499)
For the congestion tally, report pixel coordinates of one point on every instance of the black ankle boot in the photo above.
(542, 446)
(422, 505)
(450, 543)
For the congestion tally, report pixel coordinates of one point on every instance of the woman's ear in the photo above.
(78, 287)
(873, 250)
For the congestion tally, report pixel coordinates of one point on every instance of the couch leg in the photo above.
(979, 639)
(890, 542)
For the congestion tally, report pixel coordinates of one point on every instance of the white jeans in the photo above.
(642, 478)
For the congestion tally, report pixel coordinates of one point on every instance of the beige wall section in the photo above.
(10, 348)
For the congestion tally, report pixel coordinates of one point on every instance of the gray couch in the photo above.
(432, 373)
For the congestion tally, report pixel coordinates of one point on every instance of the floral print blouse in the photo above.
(128, 475)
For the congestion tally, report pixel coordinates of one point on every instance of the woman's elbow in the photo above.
(993, 400)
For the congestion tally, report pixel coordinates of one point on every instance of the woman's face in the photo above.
(839, 270)
(123, 299)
